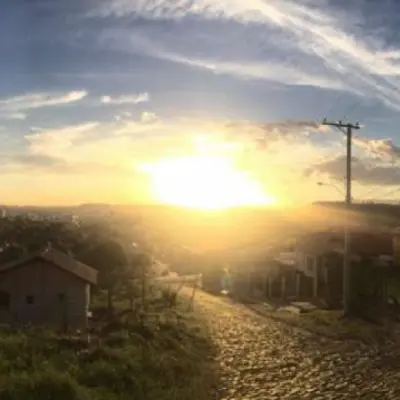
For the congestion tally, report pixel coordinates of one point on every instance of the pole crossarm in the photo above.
(340, 124)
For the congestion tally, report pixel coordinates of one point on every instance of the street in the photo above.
(259, 358)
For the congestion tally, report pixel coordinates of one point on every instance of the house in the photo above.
(319, 256)
(396, 245)
(46, 288)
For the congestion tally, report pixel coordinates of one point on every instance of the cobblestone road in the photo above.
(264, 359)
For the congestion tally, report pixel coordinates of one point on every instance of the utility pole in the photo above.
(347, 294)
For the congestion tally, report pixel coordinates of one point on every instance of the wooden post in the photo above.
(269, 287)
(298, 282)
(326, 285)
(249, 279)
(264, 285)
(283, 287)
(315, 279)
(192, 298)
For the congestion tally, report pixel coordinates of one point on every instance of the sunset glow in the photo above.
(205, 182)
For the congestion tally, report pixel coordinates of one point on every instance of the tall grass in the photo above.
(161, 357)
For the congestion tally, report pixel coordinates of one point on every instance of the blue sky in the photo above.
(92, 89)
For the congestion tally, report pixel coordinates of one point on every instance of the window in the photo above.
(30, 299)
(4, 300)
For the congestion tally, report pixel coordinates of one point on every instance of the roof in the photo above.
(60, 260)
(319, 242)
(287, 258)
(370, 244)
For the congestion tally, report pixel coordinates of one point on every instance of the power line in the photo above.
(351, 109)
(335, 102)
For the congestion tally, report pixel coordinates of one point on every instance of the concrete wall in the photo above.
(43, 294)
(307, 263)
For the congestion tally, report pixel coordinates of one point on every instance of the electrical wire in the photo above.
(351, 109)
(334, 103)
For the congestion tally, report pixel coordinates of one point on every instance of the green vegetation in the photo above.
(162, 354)
(161, 351)
(331, 324)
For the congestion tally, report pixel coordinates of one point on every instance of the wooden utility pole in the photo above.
(347, 293)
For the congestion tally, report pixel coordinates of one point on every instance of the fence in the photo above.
(376, 290)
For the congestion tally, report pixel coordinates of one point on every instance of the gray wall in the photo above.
(60, 299)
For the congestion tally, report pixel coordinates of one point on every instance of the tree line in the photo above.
(96, 244)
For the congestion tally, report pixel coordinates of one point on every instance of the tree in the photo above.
(21, 236)
(110, 260)
(137, 271)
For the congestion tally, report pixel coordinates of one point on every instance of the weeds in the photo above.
(160, 358)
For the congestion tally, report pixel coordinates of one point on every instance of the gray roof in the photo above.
(60, 260)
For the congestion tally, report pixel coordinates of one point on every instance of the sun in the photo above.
(205, 182)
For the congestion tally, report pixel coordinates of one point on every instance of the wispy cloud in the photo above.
(17, 115)
(126, 99)
(334, 40)
(38, 100)
(148, 117)
(21, 162)
(56, 141)
(17, 107)
(246, 69)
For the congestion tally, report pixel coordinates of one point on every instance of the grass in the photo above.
(164, 357)
(331, 324)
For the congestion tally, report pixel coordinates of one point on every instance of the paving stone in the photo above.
(261, 358)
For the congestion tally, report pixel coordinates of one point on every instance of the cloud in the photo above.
(284, 127)
(32, 160)
(92, 156)
(148, 122)
(364, 172)
(126, 99)
(251, 11)
(119, 142)
(42, 165)
(65, 150)
(343, 52)
(38, 100)
(262, 135)
(17, 116)
(86, 148)
(383, 149)
(148, 117)
(58, 140)
(248, 69)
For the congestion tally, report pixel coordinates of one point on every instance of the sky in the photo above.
(96, 95)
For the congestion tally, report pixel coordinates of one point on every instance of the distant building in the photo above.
(319, 256)
(47, 288)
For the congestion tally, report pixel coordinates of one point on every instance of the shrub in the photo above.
(169, 297)
(42, 385)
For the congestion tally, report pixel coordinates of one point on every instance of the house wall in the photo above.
(396, 248)
(307, 263)
(60, 299)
